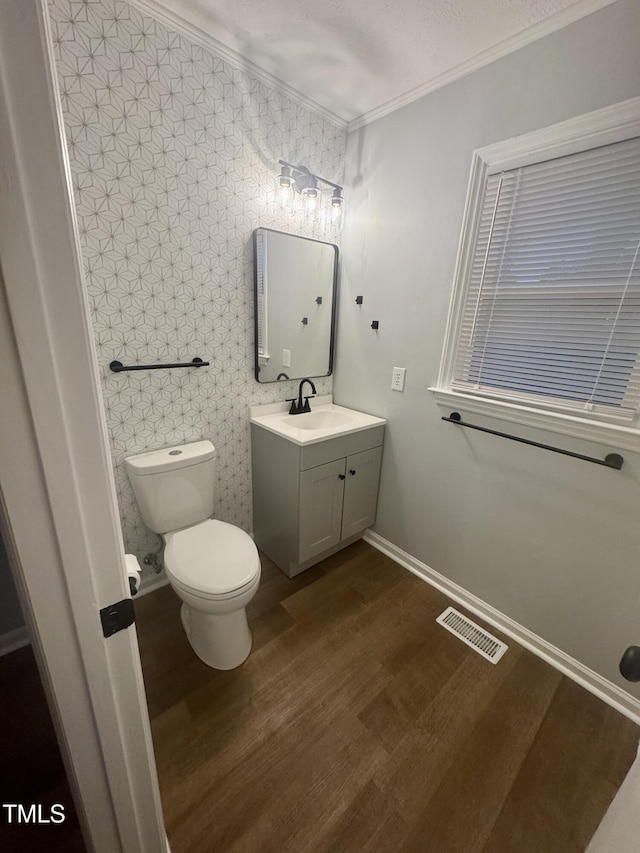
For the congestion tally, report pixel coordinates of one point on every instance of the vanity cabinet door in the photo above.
(321, 494)
(361, 491)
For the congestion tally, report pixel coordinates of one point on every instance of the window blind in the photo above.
(552, 307)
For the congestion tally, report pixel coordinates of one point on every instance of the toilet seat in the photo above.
(212, 560)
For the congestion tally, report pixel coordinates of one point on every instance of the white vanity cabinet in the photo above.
(309, 501)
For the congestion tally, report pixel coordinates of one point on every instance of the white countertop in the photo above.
(275, 417)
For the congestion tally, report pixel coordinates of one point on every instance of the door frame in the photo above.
(58, 505)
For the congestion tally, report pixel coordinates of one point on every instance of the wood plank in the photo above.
(291, 754)
(393, 713)
(369, 825)
(461, 812)
(311, 796)
(419, 763)
(576, 763)
(317, 689)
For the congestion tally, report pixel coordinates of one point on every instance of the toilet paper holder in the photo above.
(133, 572)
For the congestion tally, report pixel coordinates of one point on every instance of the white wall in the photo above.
(552, 542)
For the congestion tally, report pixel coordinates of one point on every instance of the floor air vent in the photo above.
(471, 634)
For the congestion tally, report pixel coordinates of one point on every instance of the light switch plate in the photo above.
(286, 358)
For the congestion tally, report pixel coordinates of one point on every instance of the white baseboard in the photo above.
(151, 583)
(14, 640)
(573, 669)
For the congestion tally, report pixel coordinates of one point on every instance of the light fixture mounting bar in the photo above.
(303, 170)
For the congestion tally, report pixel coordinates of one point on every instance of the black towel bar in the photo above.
(611, 460)
(119, 367)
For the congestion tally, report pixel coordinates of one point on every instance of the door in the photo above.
(321, 493)
(57, 495)
(361, 491)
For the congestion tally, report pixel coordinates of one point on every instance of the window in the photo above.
(545, 318)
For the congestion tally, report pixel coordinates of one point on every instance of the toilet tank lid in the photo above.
(170, 458)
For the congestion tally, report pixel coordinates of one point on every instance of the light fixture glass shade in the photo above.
(284, 187)
(336, 198)
(310, 204)
(310, 193)
(336, 204)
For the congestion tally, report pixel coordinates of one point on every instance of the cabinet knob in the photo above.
(352, 471)
(342, 476)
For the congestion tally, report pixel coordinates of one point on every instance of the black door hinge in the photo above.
(116, 617)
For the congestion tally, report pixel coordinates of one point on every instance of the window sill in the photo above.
(613, 436)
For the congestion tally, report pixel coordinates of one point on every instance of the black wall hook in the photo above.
(375, 324)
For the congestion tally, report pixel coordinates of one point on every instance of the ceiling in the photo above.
(359, 59)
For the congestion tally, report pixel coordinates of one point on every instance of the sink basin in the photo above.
(317, 420)
(324, 421)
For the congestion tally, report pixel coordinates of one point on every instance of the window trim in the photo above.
(601, 127)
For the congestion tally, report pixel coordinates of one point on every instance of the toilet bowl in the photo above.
(212, 566)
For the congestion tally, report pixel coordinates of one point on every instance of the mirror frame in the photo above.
(334, 304)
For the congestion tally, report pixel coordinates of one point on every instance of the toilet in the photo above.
(214, 567)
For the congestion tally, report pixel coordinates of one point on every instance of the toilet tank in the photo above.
(174, 487)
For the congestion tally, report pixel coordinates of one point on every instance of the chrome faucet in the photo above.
(297, 406)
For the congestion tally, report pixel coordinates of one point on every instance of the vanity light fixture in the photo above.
(301, 180)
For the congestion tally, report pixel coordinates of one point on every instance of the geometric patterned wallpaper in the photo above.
(174, 155)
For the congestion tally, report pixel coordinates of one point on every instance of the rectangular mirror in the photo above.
(295, 305)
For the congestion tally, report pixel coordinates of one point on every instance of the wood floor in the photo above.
(31, 768)
(358, 724)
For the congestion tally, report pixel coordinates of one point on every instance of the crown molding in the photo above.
(193, 32)
(570, 15)
(575, 12)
